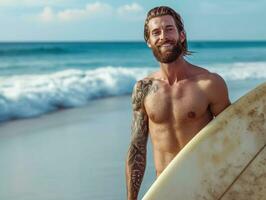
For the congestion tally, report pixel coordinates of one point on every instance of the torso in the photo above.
(176, 114)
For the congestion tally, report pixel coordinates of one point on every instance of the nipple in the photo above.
(191, 114)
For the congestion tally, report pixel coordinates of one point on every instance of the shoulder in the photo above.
(144, 84)
(217, 93)
(208, 79)
(215, 81)
(195, 70)
(140, 91)
(141, 86)
(215, 87)
(212, 83)
(198, 74)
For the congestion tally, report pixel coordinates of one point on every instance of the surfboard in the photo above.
(226, 160)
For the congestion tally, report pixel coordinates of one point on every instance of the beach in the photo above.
(71, 154)
(65, 112)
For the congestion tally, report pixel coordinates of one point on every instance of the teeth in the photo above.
(166, 45)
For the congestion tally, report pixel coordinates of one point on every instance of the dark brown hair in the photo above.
(161, 11)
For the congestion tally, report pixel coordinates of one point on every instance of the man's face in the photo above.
(164, 39)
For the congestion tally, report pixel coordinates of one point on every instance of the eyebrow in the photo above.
(169, 26)
(156, 29)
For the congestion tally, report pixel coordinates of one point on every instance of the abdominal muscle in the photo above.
(167, 140)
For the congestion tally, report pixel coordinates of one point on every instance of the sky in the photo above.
(122, 20)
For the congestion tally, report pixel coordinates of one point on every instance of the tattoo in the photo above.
(136, 161)
(141, 90)
(154, 88)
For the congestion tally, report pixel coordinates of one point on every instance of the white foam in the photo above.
(240, 71)
(32, 95)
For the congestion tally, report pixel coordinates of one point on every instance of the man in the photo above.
(173, 104)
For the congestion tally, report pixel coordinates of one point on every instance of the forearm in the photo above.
(135, 168)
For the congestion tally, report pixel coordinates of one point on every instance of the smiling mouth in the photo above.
(166, 46)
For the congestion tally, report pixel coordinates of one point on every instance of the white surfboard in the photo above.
(226, 160)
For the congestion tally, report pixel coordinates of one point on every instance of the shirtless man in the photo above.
(173, 104)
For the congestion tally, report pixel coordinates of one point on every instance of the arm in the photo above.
(218, 94)
(136, 157)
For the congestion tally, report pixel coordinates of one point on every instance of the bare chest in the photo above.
(177, 103)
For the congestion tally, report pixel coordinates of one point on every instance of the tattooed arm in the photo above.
(136, 157)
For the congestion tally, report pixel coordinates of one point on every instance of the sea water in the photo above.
(36, 78)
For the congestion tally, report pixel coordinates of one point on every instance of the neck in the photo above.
(174, 71)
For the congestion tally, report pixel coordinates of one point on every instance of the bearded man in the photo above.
(174, 103)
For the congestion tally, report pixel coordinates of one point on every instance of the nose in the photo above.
(163, 35)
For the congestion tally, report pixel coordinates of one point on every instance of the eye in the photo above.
(155, 33)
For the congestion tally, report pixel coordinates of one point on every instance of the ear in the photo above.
(182, 36)
(148, 43)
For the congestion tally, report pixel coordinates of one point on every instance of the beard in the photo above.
(169, 55)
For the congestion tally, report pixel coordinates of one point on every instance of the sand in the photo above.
(75, 153)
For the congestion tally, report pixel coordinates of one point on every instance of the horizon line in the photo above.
(109, 41)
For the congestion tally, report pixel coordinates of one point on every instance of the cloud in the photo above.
(90, 10)
(129, 8)
(131, 12)
(128, 11)
(48, 15)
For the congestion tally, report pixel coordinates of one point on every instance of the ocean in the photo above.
(37, 78)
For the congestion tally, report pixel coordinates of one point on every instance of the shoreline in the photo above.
(68, 111)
